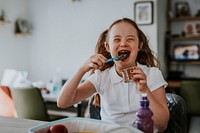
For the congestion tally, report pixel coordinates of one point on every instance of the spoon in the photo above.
(121, 57)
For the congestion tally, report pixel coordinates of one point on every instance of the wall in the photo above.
(64, 33)
(161, 31)
(14, 50)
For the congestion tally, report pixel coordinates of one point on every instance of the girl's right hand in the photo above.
(94, 62)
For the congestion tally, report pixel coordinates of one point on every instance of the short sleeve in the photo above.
(95, 80)
(155, 79)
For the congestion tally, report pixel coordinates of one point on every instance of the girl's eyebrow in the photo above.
(130, 36)
(127, 35)
(117, 36)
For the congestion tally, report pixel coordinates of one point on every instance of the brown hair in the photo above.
(97, 100)
(100, 49)
(145, 56)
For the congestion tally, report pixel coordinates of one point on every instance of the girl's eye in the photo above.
(130, 39)
(116, 40)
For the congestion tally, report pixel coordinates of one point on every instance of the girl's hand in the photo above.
(140, 79)
(94, 62)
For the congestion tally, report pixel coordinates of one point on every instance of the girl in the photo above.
(120, 100)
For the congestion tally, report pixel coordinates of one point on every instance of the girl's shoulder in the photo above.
(104, 72)
(147, 70)
(99, 75)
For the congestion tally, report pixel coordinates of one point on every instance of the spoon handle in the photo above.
(112, 59)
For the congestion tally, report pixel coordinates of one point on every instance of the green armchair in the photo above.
(29, 104)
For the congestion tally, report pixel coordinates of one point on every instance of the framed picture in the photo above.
(192, 29)
(143, 12)
(186, 52)
(197, 27)
(21, 26)
(182, 9)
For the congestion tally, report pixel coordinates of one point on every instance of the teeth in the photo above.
(124, 53)
(123, 56)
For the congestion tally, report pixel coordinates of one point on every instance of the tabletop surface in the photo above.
(20, 125)
(17, 125)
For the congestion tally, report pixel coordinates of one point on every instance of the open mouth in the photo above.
(124, 54)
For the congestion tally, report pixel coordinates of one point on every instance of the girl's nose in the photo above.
(123, 43)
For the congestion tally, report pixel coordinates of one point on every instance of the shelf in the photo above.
(186, 62)
(176, 84)
(181, 31)
(2, 22)
(22, 34)
(193, 37)
(173, 84)
(189, 18)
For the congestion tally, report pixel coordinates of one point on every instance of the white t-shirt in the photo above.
(119, 100)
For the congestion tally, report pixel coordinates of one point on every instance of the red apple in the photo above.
(59, 128)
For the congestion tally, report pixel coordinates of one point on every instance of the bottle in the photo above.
(144, 120)
(56, 81)
(54, 87)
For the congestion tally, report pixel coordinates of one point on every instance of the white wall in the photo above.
(14, 50)
(151, 31)
(161, 31)
(64, 33)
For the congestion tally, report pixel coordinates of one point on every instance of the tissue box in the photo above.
(81, 125)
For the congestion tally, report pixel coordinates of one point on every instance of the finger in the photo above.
(93, 66)
(138, 76)
(142, 81)
(103, 58)
(98, 61)
(132, 70)
(136, 70)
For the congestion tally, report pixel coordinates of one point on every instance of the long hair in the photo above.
(100, 49)
(145, 56)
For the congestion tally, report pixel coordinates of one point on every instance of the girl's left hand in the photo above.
(140, 79)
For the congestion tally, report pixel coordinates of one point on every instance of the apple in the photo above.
(59, 128)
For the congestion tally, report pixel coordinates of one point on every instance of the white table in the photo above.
(52, 97)
(17, 125)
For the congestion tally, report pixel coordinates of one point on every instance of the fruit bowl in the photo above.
(83, 125)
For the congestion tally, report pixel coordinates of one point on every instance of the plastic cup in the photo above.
(127, 74)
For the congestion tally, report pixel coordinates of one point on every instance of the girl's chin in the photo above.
(123, 64)
(127, 63)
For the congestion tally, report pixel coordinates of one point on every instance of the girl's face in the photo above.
(123, 39)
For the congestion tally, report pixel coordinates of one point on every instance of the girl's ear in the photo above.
(106, 45)
(140, 46)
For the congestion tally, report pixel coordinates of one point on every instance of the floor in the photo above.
(195, 125)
